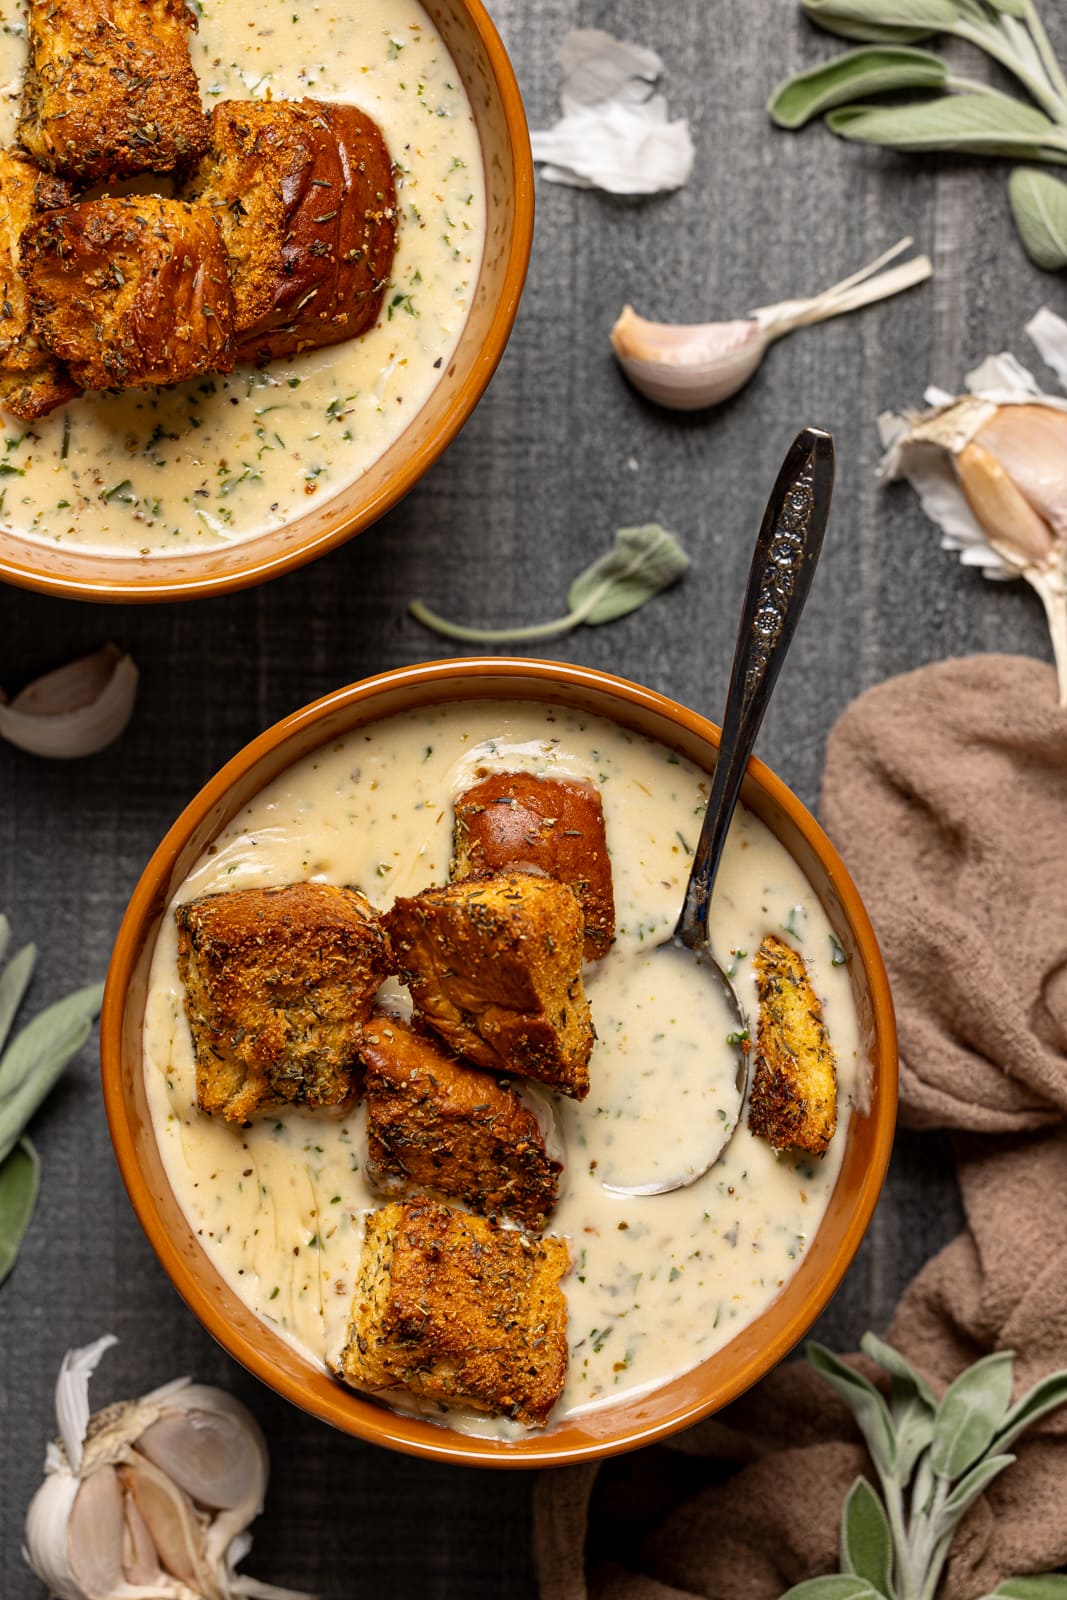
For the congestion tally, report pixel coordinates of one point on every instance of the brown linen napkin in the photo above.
(946, 791)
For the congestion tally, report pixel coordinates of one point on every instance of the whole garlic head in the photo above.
(151, 1498)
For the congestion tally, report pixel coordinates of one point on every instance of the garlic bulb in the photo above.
(151, 1498)
(687, 366)
(74, 711)
(990, 468)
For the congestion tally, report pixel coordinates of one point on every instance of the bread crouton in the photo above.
(552, 825)
(459, 1311)
(793, 1098)
(278, 983)
(304, 194)
(435, 1123)
(495, 967)
(130, 292)
(110, 90)
(32, 382)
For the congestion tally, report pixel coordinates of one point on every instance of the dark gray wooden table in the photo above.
(559, 454)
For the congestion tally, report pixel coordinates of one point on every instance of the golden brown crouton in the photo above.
(495, 967)
(32, 382)
(303, 191)
(434, 1123)
(459, 1311)
(553, 825)
(278, 983)
(110, 89)
(793, 1099)
(130, 292)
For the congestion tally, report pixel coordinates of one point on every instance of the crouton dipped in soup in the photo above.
(199, 362)
(303, 1210)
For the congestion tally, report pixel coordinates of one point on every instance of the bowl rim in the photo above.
(379, 1425)
(147, 589)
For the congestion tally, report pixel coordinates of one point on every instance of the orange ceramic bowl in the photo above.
(490, 83)
(606, 1430)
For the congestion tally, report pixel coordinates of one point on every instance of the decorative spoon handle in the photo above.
(779, 578)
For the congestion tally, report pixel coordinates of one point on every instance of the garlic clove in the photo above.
(211, 1454)
(140, 1559)
(45, 1548)
(1010, 522)
(95, 1534)
(1030, 443)
(75, 711)
(686, 366)
(174, 1527)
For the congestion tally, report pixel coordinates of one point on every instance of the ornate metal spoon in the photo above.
(783, 563)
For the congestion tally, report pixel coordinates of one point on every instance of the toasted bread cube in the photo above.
(110, 90)
(459, 1311)
(552, 825)
(495, 967)
(435, 1123)
(304, 194)
(278, 983)
(32, 382)
(132, 292)
(793, 1099)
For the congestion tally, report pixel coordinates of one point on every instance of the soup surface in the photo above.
(658, 1283)
(222, 459)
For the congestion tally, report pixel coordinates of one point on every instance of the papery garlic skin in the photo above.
(115, 1521)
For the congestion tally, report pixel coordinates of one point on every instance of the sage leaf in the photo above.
(856, 73)
(53, 1049)
(1041, 1586)
(903, 1374)
(49, 1032)
(912, 1404)
(865, 1403)
(14, 981)
(866, 1542)
(883, 21)
(1039, 206)
(1045, 1396)
(20, 1180)
(839, 1586)
(968, 1489)
(971, 1412)
(990, 125)
(643, 562)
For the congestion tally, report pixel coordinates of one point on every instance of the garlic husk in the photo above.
(149, 1499)
(990, 468)
(687, 366)
(76, 710)
(614, 132)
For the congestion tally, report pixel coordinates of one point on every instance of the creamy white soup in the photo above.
(221, 459)
(658, 1283)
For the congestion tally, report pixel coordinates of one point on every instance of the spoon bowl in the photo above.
(783, 564)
